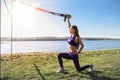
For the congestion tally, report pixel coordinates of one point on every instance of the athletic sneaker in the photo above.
(91, 69)
(60, 71)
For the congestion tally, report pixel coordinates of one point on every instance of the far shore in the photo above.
(52, 38)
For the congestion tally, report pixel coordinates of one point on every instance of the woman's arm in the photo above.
(82, 45)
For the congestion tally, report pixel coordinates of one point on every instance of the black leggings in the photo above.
(73, 57)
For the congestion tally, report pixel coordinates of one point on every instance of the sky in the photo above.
(94, 18)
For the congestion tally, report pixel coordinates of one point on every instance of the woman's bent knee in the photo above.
(59, 55)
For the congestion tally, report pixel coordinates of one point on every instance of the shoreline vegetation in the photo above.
(42, 66)
(52, 38)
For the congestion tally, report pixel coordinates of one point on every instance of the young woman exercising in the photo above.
(74, 41)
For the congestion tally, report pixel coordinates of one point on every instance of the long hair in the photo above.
(76, 32)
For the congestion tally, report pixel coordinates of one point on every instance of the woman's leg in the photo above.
(85, 67)
(63, 55)
(77, 65)
(75, 60)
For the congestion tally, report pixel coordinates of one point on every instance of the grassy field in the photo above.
(106, 63)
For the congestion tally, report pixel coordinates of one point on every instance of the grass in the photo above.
(106, 63)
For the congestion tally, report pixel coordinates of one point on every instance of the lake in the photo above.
(56, 46)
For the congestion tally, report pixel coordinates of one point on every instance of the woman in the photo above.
(74, 41)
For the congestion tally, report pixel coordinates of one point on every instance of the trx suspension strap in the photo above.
(43, 10)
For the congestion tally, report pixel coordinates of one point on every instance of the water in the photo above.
(56, 46)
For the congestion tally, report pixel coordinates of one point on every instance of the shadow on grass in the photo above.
(94, 76)
(43, 78)
(5, 78)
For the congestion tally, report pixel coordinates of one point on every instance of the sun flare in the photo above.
(22, 12)
(23, 17)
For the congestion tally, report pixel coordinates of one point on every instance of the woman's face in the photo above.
(72, 31)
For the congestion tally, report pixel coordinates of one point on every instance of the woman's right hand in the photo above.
(69, 16)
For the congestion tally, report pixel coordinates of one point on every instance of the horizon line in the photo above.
(59, 37)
